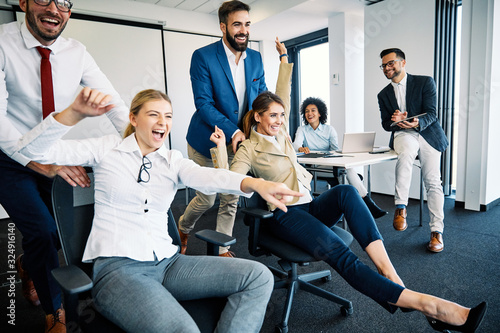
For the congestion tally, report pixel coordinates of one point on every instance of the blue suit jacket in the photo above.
(420, 98)
(215, 95)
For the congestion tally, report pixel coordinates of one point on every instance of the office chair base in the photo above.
(293, 282)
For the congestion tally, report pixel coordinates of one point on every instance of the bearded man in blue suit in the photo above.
(406, 96)
(226, 77)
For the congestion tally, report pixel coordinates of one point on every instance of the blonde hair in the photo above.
(138, 102)
(260, 105)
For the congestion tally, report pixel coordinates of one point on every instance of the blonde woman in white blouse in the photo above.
(138, 273)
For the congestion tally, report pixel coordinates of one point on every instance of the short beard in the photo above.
(395, 74)
(31, 21)
(232, 41)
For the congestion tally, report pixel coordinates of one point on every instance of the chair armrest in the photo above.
(257, 212)
(72, 279)
(214, 237)
(214, 240)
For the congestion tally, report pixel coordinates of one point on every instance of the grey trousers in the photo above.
(142, 296)
(202, 202)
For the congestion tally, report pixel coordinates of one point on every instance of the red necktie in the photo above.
(46, 80)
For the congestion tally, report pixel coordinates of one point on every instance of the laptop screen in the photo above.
(358, 142)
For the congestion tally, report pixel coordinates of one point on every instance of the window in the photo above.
(314, 73)
(310, 76)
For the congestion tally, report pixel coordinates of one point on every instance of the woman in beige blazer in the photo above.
(268, 153)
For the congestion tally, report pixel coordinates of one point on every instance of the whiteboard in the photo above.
(179, 48)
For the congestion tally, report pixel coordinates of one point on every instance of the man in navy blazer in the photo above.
(226, 77)
(406, 96)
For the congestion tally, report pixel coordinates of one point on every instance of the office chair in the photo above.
(73, 225)
(261, 241)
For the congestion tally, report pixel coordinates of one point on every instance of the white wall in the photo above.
(478, 159)
(346, 42)
(493, 156)
(346, 60)
(408, 25)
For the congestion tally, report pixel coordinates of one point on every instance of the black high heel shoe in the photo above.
(473, 321)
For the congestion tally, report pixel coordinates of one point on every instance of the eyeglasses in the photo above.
(62, 5)
(389, 64)
(143, 171)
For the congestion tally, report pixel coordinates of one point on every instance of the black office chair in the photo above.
(73, 225)
(261, 241)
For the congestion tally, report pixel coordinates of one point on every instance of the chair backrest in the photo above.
(73, 223)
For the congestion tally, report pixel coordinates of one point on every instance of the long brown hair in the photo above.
(138, 102)
(260, 105)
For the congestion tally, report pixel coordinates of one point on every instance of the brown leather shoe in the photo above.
(228, 254)
(29, 291)
(56, 323)
(184, 241)
(436, 244)
(400, 219)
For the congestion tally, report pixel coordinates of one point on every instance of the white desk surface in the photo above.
(348, 161)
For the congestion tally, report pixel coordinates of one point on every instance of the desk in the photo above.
(347, 161)
(352, 160)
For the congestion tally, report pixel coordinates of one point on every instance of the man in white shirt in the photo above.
(226, 77)
(25, 185)
(410, 95)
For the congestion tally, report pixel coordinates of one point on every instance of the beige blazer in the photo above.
(261, 158)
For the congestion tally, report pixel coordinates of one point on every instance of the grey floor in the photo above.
(467, 272)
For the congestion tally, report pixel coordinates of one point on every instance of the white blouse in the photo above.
(130, 218)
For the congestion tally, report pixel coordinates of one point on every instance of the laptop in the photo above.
(358, 143)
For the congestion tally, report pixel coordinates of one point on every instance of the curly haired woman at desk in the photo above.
(315, 134)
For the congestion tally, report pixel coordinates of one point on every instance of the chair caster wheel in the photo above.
(346, 311)
(280, 329)
(326, 278)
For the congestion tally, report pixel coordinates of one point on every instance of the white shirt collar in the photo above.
(31, 42)
(231, 57)
(402, 82)
(320, 127)
(130, 145)
(271, 138)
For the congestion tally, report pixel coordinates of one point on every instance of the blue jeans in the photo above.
(142, 296)
(308, 226)
(26, 197)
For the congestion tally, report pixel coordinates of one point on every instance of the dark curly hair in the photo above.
(322, 109)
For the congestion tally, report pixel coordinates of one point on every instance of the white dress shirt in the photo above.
(238, 74)
(130, 218)
(20, 92)
(400, 92)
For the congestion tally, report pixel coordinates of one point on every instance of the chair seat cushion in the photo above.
(290, 252)
(205, 312)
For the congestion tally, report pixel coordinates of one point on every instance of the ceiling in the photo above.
(211, 6)
(286, 18)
